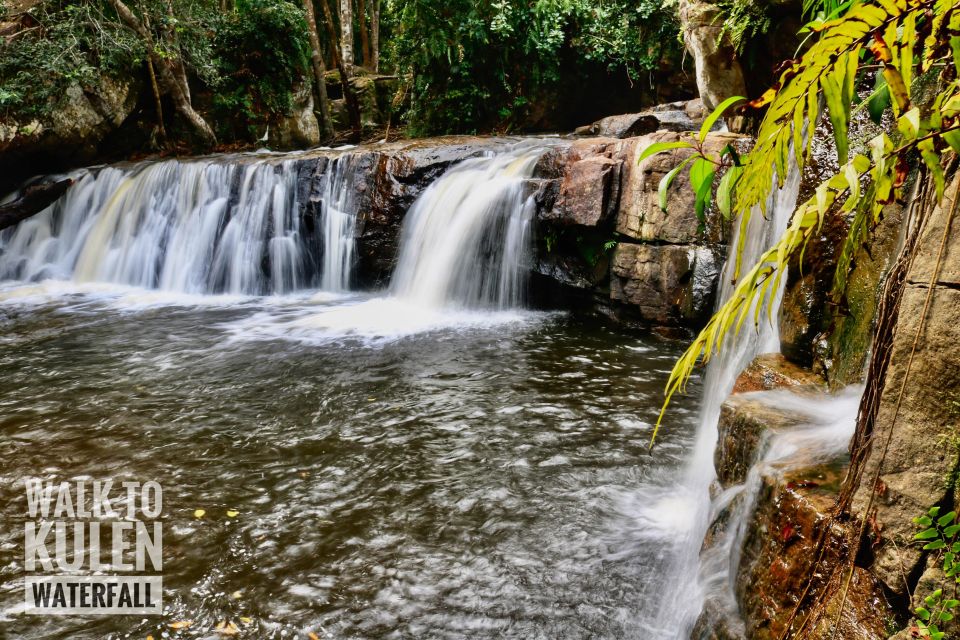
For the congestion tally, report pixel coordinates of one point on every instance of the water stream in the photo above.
(431, 461)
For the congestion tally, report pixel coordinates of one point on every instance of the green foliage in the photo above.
(249, 58)
(262, 52)
(939, 534)
(472, 65)
(889, 34)
(63, 43)
(744, 20)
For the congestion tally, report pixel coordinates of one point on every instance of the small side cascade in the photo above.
(681, 563)
(225, 225)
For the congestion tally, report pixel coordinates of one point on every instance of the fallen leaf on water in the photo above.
(232, 513)
(227, 628)
(236, 595)
(313, 636)
(245, 620)
(149, 637)
(199, 513)
(181, 624)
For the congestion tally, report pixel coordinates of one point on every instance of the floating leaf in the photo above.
(232, 513)
(181, 624)
(199, 513)
(227, 628)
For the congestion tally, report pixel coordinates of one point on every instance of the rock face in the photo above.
(602, 231)
(919, 430)
(71, 136)
(666, 284)
(719, 74)
(299, 129)
(640, 216)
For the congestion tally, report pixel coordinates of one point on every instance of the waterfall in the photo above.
(339, 221)
(466, 241)
(225, 225)
(680, 597)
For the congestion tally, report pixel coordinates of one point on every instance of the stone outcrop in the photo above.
(670, 117)
(917, 432)
(70, 136)
(299, 129)
(602, 230)
(718, 71)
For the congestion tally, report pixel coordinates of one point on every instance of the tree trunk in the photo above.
(375, 36)
(331, 33)
(156, 99)
(353, 109)
(32, 200)
(346, 32)
(319, 73)
(364, 34)
(167, 74)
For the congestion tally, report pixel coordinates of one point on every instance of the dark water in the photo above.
(480, 479)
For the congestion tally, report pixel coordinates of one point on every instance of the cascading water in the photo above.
(678, 515)
(466, 241)
(465, 250)
(204, 226)
(339, 220)
(825, 425)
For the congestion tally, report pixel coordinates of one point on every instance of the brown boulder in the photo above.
(665, 284)
(640, 216)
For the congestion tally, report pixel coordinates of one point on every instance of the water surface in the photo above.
(463, 475)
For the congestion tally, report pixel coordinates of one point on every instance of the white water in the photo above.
(822, 435)
(465, 251)
(676, 514)
(339, 221)
(198, 227)
(466, 240)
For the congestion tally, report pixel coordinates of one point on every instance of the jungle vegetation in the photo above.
(225, 67)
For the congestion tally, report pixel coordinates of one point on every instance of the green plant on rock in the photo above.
(904, 39)
(939, 535)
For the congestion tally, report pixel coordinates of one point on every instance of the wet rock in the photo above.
(716, 623)
(919, 430)
(746, 422)
(666, 285)
(774, 371)
(791, 545)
